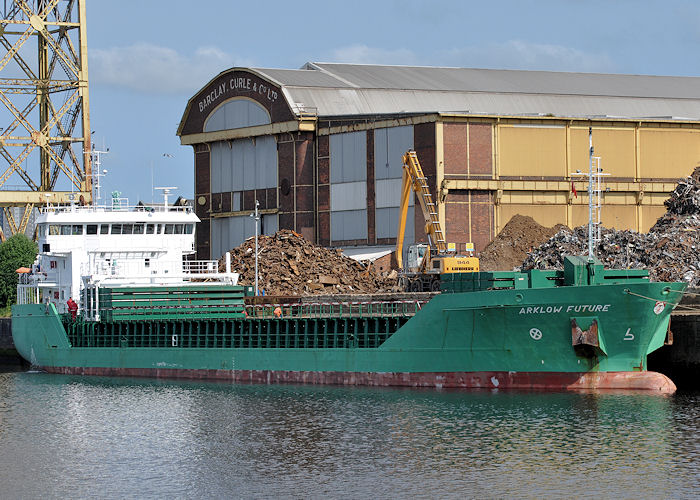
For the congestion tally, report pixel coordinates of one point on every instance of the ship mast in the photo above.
(595, 196)
(591, 206)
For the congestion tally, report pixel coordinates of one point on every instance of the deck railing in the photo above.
(335, 309)
(28, 294)
(119, 205)
(200, 267)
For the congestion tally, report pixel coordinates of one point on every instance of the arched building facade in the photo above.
(320, 149)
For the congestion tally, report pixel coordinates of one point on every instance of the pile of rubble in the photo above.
(290, 265)
(670, 250)
(507, 250)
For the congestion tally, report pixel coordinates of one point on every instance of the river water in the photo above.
(85, 437)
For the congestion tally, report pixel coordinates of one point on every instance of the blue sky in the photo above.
(147, 58)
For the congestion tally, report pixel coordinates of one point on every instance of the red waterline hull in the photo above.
(576, 381)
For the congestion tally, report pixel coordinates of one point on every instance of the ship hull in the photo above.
(575, 381)
(519, 339)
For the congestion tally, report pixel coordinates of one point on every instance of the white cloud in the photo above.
(518, 54)
(150, 68)
(512, 54)
(362, 54)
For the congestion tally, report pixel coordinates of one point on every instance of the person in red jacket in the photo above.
(72, 308)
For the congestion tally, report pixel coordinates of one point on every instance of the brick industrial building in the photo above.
(320, 149)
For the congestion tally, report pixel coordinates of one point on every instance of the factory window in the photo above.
(390, 144)
(91, 229)
(348, 157)
(237, 113)
(229, 232)
(244, 164)
(348, 190)
(349, 225)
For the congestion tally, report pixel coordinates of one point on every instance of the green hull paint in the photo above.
(510, 330)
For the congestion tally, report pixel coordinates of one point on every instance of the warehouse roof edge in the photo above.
(336, 89)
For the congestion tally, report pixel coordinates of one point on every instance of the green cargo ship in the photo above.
(580, 328)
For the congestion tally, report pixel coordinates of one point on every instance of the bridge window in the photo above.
(104, 228)
(116, 229)
(54, 230)
(149, 228)
(91, 229)
(138, 228)
(66, 229)
(169, 228)
(188, 228)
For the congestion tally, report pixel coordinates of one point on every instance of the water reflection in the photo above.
(129, 437)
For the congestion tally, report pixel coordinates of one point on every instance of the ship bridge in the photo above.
(82, 247)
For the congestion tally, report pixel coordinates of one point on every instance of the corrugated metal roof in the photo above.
(500, 80)
(337, 102)
(302, 78)
(353, 89)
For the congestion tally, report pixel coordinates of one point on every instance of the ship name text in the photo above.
(578, 308)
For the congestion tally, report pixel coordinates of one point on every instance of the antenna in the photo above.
(97, 160)
(166, 192)
(595, 197)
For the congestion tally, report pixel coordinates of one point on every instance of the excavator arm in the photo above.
(414, 181)
(403, 211)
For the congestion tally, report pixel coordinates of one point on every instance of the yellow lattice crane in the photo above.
(45, 107)
(434, 259)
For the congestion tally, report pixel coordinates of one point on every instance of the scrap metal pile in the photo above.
(288, 264)
(670, 250)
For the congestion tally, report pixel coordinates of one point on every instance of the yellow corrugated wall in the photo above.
(669, 152)
(629, 151)
(615, 146)
(533, 159)
(527, 151)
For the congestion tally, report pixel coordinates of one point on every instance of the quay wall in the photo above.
(8, 354)
(6, 333)
(680, 361)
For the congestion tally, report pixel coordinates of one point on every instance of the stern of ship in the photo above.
(38, 333)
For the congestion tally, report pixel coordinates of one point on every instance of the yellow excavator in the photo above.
(425, 262)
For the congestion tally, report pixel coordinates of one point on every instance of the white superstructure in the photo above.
(82, 247)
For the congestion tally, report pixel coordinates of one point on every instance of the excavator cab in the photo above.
(416, 253)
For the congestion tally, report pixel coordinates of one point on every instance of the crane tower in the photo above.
(44, 110)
